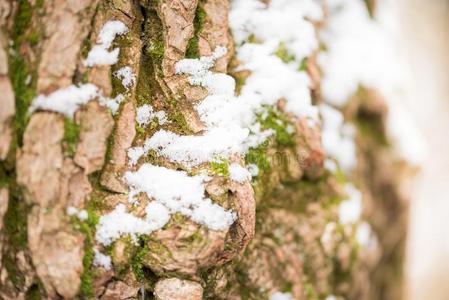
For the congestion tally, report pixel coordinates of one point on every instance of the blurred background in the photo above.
(425, 33)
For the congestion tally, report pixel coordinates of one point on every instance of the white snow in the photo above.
(99, 54)
(126, 75)
(102, 260)
(330, 165)
(178, 192)
(331, 297)
(350, 210)
(161, 117)
(231, 122)
(280, 20)
(112, 103)
(120, 223)
(238, 173)
(157, 214)
(145, 114)
(281, 296)
(65, 101)
(367, 51)
(365, 236)
(134, 154)
(194, 150)
(80, 214)
(253, 169)
(338, 138)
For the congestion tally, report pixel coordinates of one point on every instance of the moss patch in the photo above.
(283, 54)
(22, 75)
(71, 136)
(87, 227)
(277, 121)
(220, 167)
(15, 230)
(198, 23)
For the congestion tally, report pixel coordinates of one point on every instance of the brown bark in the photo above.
(51, 163)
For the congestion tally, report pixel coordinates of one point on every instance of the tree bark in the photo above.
(286, 238)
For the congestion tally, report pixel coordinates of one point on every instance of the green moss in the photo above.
(220, 167)
(258, 156)
(71, 136)
(303, 65)
(22, 76)
(24, 93)
(154, 39)
(274, 119)
(35, 292)
(22, 18)
(179, 121)
(137, 259)
(369, 123)
(239, 83)
(283, 54)
(86, 287)
(253, 39)
(15, 230)
(371, 7)
(198, 23)
(87, 227)
(15, 221)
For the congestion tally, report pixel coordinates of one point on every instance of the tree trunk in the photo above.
(61, 174)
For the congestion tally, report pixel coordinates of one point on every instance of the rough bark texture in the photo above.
(48, 163)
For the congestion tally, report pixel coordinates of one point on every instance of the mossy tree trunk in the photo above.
(49, 162)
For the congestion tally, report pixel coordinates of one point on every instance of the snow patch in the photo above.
(338, 138)
(102, 260)
(281, 296)
(367, 51)
(253, 169)
(350, 210)
(99, 54)
(134, 154)
(145, 114)
(80, 214)
(238, 173)
(187, 198)
(120, 223)
(112, 103)
(67, 100)
(126, 75)
(365, 236)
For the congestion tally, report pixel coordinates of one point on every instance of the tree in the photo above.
(74, 77)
